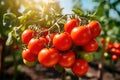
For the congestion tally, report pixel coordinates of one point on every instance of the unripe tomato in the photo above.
(70, 24)
(67, 59)
(48, 57)
(35, 45)
(115, 57)
(27, 55)
(95, 28)
(30, 64)
(80, 67)
(80, 35)
(87, 57)
(62, 41)
(91, 46)
(27, 35)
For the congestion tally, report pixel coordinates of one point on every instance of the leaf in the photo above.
(10, 20)
(78, 11)
(9, 40)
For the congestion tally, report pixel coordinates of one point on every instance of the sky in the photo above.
(87, 5)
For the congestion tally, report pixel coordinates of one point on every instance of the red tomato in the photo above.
(62, 41)
(80, 67)
(70, 24)
(67, 59)
(48, 57)
(115, 57)
(35, 45)
(80, 35)
(91, 46)
(15, 47)
(102, 40)
(27, 55)
(27, 35)
(116, 45)
(95, 28)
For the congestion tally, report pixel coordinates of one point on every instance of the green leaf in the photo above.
(77, 11)
(10, 20)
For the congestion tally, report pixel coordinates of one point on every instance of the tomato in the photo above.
(67, 59)
(35, 45)
(116, 45)
(29, 63)
(48, 57)
(70, 24)
(95, 28)
(102, 40)
(115, 57)
(80, 67)
(91, 46)
(15, 47)
(87, 57)
(62, 41)
(27, 55)
(80, 35)
(27, 35)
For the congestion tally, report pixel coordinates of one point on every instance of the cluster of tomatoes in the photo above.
(113, 48)
(61, 48)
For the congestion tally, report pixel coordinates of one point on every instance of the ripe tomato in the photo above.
(80, 67)
(91, 46)
(67, 59)
(48, 57)
(80, 35)
(27, 35)
(70, 24)
(95, 28)
(102, 40)
(35, 45)
(116, 45)
(30, 64)
(15, 47)
(115, 57)
(27, 55)
(62, 41)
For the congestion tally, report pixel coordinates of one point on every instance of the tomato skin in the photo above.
(30, 64)
(80, 35)
(27, 35)
(67, 59)
(28, 56)
(91, 46)
(80, 67)
(15, 47)
(115, 57)
(95, 28)
(48, 57)
(35, 45)
(62, 41)
(70, 24)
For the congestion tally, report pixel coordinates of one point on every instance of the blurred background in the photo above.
(107, 12)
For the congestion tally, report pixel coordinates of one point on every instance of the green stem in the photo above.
(15, 66)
